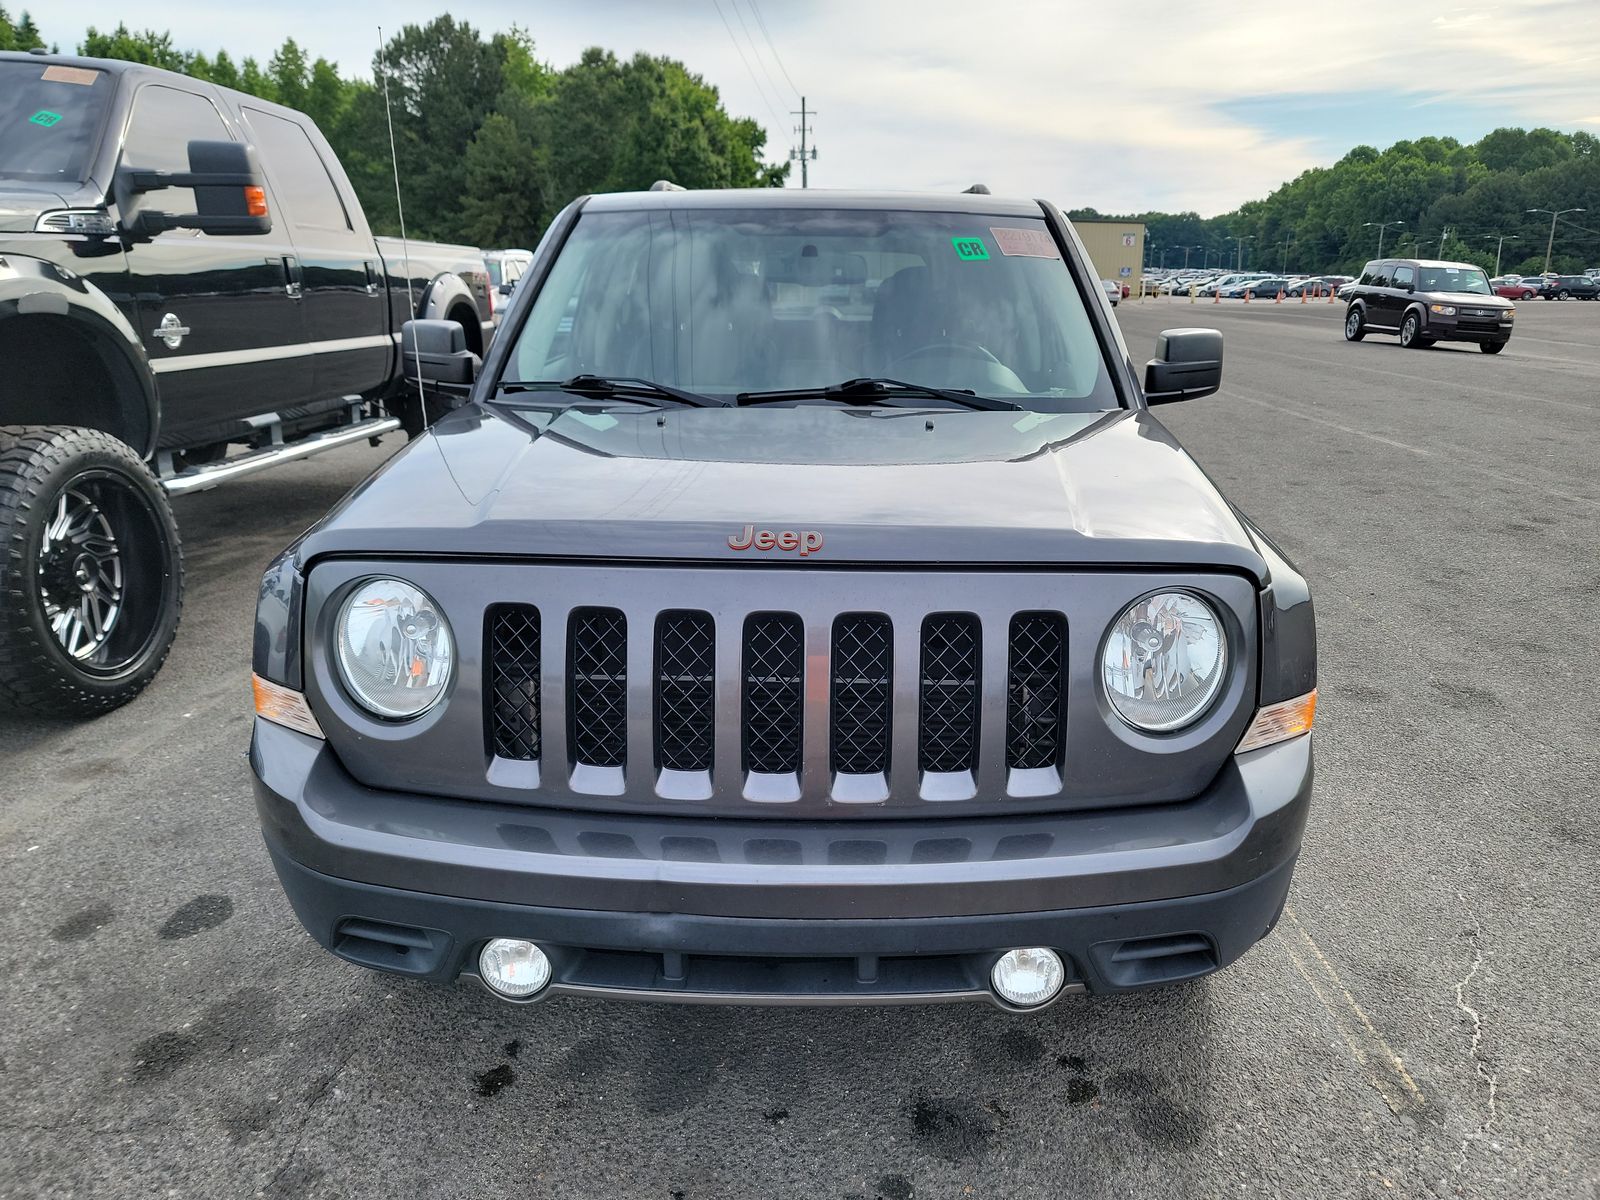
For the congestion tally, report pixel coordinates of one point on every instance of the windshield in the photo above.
(50, 120)
(1454, 279)
(722, 302)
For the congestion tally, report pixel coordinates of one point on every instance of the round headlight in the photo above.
(394, 648)
(1164, 660)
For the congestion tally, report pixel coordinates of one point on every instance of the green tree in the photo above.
(151, 48)
(290, 74)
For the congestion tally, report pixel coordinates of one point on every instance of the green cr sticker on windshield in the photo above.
(970, 249)
(44, 117)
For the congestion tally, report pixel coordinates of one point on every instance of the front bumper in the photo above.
(1454, 329)
(772, 911)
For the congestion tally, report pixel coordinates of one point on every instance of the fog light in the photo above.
(514, 968)
(1028, 978)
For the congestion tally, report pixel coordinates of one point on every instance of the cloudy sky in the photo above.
(1127, 105)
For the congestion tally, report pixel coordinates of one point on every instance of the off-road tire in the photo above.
(39, 465)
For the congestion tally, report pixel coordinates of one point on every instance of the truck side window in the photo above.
(165, 120)
(302, 183)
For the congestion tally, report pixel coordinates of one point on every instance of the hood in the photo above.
(1466, 299)
(21, 204)
(857, 485)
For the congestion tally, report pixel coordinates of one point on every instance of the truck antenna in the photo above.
(400, 208)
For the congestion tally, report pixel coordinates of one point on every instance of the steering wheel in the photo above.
(965, 349)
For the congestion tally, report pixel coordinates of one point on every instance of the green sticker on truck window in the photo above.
(970, 249)
(44, 117)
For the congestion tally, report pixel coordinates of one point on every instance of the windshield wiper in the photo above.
(603, 387)
(876, 390)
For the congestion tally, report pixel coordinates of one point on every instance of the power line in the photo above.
(773, 46)
(755, 49)
(761, 91)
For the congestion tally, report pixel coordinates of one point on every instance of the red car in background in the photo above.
(1517, 289)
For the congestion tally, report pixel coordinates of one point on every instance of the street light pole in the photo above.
(1285, 269)
(1382, 226)
(1241, 240)
(1555, 216)
(1500, 240)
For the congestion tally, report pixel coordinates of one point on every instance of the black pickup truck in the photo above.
(189, 292)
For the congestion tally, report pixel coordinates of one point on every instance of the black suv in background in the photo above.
(1426, 302)
(1569, 287)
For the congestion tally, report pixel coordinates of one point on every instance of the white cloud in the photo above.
(1110, 105)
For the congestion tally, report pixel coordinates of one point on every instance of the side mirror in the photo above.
(1188, 364)
(228, 191)
(436, 353)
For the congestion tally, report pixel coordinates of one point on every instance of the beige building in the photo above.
(1115, 247)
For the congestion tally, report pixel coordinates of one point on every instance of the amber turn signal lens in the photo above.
(255, 201)
(1280, 722)
(284, 706)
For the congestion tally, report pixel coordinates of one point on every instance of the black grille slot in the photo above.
(774, 682)
(1035, 690)
(597, 689)
(863, 654)
(686, 654)
(947, 738)
(512, 694)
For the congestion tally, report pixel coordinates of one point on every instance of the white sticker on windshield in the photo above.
(78, 75)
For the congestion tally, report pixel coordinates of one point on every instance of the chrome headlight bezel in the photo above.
(410, 649)
(1216, 686)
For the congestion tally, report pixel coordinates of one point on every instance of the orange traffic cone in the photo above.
(1302, 295)
(1216, 297)
(1332, 295)
(1247, 295)
(1279, 300)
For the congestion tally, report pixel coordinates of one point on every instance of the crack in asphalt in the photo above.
(311, 1103)
(1490, 1081)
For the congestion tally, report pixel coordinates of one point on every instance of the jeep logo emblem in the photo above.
(806, 541)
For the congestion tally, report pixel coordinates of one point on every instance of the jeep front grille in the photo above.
(1035, 701)
(512, 684)
(948, 733)
(598, 687)
(863, 649)
(774, 680)
(685, 701)
(865, 702)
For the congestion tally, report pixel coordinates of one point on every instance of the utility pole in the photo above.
(1500, 239)
(1381, 227)
(804, 130)
(1554, 217)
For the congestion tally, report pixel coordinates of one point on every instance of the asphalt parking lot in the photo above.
(1422, 1023)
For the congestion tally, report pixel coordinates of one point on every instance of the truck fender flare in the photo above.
(34, 288)
(444, 294)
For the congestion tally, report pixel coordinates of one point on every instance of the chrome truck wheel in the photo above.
(91, 571)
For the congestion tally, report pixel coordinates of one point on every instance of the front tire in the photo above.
(91, 571)
(1355, 325)
(1411, 332)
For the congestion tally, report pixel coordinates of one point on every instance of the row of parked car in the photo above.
(1240, 284)
(1548, 287)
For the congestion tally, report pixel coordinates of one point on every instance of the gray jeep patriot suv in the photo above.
(800, 604)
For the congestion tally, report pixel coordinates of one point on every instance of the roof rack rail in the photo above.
(666, 185)
(977, 189)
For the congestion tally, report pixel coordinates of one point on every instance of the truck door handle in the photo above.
(372, 279)
(292, 277)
